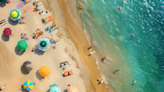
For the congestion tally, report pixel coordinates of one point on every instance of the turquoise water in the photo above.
(139, 58)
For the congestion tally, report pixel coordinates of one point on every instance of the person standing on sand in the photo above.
(91, 46)
(91, 53)
(103, 59)
(116, 70)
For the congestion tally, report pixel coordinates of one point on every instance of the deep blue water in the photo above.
(139, 58)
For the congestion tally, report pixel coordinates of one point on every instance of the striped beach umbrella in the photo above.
(28, 85)
(22, 45)
(72, 89)
(44, 44)
(54, 88)
(15, 14)
(7, 32)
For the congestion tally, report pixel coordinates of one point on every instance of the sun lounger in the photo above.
(22, 38)
(3, 22)
(67, 73)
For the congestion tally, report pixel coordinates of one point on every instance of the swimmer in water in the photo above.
(123, 1)
(103, 59)
(134, 82)
(133, 35)
(80, 6)
(120, 8)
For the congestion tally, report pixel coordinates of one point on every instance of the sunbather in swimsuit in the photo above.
(38, 4)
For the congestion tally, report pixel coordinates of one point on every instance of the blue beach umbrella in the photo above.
(28, 85)
(54, 88)
(44, 44)
(15, 14)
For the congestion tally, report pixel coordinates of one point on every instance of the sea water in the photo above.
(139, 58)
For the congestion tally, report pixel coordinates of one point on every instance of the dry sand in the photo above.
(11, 61)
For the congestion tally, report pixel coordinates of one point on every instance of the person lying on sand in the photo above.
(48, 37)
(91, 53)
(36, 2)
(21, 22)
(3, 86)
(52, 29)
(2, 22)
(57, 40)
(43, 12)
(22, 17)
(24, 37)
(35, 9)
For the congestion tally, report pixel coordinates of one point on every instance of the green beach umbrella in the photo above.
(22, 45)
(54, 88)
(44, 44)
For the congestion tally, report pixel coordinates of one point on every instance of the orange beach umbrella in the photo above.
(44, 71)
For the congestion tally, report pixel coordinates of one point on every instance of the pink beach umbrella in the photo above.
(72, 89)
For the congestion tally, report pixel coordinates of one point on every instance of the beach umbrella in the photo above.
(15, 14)
(72, 89)
(22, 45)
(28, 85)
(54, 88)
(44, 71)
(44, 44)
(28, 66)
(7, 32)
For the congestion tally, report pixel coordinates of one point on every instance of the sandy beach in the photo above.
(73, 48)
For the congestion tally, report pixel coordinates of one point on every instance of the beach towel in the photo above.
(36, 51)
(20, 6)
(44, 13)
(25, 39)
(39, 6)
(52, 41)
(10, 1)
(27, 8)
(3, 23)
(51, 18)
(46, 29)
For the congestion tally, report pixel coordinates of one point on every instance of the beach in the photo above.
(73, 48)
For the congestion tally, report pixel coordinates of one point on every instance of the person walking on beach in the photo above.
(91, 53)
(91, 46)
(103, 59)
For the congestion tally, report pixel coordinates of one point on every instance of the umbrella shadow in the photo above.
(38, 75)
(12, 22)
(23, 90)
(65, 90)
(4, 38)
(48, 90)
(41, 53)
(2, 4)
(23, 70)
(17, 51)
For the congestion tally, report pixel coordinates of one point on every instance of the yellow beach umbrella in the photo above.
(14, 14)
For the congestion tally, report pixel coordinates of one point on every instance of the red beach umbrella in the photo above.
(7, 32)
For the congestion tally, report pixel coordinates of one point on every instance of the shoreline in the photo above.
(81, 43)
